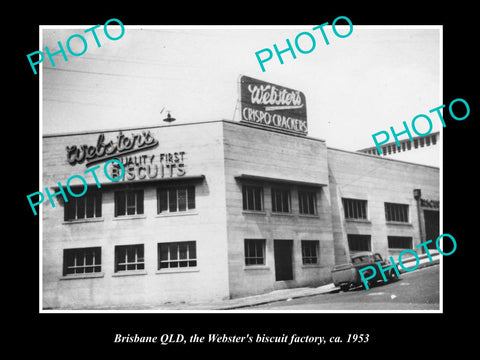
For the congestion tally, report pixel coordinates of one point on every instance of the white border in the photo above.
(233, 311)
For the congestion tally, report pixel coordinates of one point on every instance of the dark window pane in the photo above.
(192, 251)
(119, 203)
(80, 208)
(172, 200)
(98, 204)
(173, 252)
(130, 203)
(258, 199)
(191, 197)
(250, 201)
(140, 250)
(183, 247)
(88, 257)
(244, 197)
(130, 253)
(139, 194)
(182, 199)
(70, 209)
(162, 200)
(286, 205)
(163, 252)
(90, 199)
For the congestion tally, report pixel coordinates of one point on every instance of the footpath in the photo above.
(273, 296)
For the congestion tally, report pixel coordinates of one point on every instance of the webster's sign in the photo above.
(273, 106)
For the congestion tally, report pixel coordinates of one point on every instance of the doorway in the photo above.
(283, 259)
(432, 227)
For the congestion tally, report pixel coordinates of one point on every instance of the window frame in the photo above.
(353, 206)
(285, 200)
(83, 253)
(72, 206)
(128, 263)
(396, 213)
(258, 244)
(308, 194)
(362, 237)
(245, 198)
(126, 206)
(304, 245)
(391, 238)
(178, 259)
(190, 199)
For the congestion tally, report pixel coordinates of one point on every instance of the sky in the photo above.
(377, 77)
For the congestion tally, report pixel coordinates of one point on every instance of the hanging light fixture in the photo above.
(169, 118)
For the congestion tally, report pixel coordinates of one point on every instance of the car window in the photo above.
(360, 259)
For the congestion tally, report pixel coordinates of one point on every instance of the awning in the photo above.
(247, 177)
(145, 182)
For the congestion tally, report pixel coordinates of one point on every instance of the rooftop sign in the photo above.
(273, 106)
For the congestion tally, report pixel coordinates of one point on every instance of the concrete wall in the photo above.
(280, 156)
(202, 144)
(378, 180)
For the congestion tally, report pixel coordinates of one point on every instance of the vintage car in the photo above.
(347, 275)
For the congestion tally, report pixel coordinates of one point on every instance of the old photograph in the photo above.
(241, 168)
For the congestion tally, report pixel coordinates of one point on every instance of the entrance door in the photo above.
(283, 259)
(432, 226)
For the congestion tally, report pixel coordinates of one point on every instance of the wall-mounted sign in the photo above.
(273, 106)
(153, 166)
(104, 151)
(434, 204)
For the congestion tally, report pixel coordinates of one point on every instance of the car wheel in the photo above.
(345, 287)
(393, 276)
(367, 283)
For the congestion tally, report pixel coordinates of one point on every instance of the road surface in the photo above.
(416, 290)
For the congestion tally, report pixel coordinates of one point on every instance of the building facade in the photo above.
(215, 210)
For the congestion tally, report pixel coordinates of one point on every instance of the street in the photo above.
(417, 290)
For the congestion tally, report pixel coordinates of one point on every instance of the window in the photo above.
(175, 199)
(358, 242)
(129, 202)
(355, 209)
(177, 255)
(396, 212)
(252, 197)
(310, 252)
(84, 207)
(254, 252)
(399, 242)
(129, 257)
(82, 261)
(280, 200)
(307, 202)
